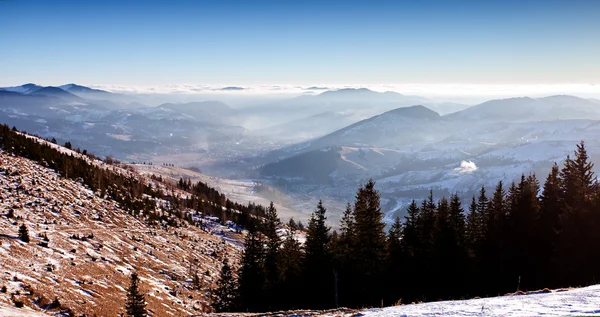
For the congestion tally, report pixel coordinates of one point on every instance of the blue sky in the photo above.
(299, 42)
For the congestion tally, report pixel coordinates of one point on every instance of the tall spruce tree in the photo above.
(370, 250)
(411, 246)
(578, 221)
(344, 265)
(395, 267)
(548, 227)
(135, 305)
(252, 273)
(271, 223)
(225, 295)
(291, 259)
(318, 261)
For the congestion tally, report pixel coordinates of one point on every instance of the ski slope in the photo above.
(576, 302)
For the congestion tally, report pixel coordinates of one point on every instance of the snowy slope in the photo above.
(575, 302)
(7, 311)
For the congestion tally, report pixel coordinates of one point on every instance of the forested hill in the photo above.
(73, 229)
(132, 191)
(526, 235)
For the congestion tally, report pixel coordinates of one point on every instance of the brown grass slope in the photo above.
(93, 247)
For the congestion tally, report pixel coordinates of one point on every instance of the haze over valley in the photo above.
(296, 149)
(299, 158)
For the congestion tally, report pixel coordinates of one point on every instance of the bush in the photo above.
(55, 303)
(18, 303)
(23, 233)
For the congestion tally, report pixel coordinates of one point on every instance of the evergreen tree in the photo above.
(291, 259)
(370, 250)
(456, 265)
(578, 222)
(23, 233)
(135, 305)
(548, 226)
(395, 268)
(411, 252)
(344, 263)
(493, 257)
(271, 223)
(521, 229)
(251, 273)
(226, 292)
(317, 263)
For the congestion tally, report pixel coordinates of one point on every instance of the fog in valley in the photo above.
(295, 145)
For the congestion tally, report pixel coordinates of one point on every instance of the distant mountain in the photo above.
(395, 127)
(232, 88)
(7, 93)
(367, 95)
(361, 102)
(560, 107)
(56, 92)
(108, 99)
(77, 89)
(24, 89)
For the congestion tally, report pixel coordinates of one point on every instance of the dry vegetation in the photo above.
(92, 248)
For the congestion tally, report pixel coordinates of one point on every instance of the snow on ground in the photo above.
(576, 302)
(7, 311)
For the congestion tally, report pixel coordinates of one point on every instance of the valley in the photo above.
(287, 151)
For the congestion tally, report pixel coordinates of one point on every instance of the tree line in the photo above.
(127, 189)
(524, 236)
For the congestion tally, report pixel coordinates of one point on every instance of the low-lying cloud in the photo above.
(467, 93)
(466, 167)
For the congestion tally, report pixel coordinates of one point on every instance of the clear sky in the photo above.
(154, 42)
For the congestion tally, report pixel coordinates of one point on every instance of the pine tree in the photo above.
(344, 265)
(457, 263)
(291, 259)
(251, 273)
(23, 233)
(271, 223)
(493, 258)
(578, 221)
(317, 263)
(370, 250)
(135, 305)
(473, 227)
(395, 262)
(226, 291)
(548, 226)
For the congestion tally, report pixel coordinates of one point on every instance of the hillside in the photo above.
(93, 244)
(240, 191)
(531, 109)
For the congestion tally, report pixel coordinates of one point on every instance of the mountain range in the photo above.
(320, 145)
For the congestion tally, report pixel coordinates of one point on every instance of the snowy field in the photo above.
(575, 302)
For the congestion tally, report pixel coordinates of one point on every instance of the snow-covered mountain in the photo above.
(107, 125)
(411, 150)
(23, 89)
(529, 109)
